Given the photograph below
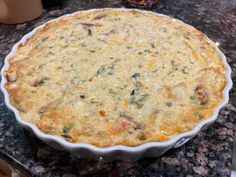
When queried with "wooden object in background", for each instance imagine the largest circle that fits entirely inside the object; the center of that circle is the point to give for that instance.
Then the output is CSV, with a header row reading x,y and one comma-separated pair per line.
x,y
7,171
19,11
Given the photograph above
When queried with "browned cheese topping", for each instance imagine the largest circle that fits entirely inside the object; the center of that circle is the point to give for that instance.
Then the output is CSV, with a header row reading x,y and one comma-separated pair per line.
x,y
114,77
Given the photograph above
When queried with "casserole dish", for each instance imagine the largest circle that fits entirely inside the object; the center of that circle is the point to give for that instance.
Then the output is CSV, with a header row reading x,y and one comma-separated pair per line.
x,y
106,152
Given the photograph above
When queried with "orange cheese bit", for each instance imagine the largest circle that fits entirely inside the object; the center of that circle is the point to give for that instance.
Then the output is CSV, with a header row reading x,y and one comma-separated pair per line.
x,y
42,127
162,138
113,129
126,104
58,68
142,85
114,41
150,64
99,30
77,46
102,113
72,140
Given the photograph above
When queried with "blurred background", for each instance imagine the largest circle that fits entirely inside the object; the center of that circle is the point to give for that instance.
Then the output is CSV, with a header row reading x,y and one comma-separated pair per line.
x,y
12,11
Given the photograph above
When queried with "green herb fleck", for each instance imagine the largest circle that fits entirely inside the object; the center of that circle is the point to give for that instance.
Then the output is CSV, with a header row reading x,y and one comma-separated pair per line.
x,y
83,45
169,104
136,75
173,65
40,82
138,127
134,92
65,46
139,53
138,100
101,70
66,136
47,132
146,50
153,46
142,137
101,40
44,39
82,96
89,32
67,128
183,71
125,115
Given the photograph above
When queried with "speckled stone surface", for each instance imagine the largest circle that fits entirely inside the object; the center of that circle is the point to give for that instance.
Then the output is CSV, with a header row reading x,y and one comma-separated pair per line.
x,y
209,154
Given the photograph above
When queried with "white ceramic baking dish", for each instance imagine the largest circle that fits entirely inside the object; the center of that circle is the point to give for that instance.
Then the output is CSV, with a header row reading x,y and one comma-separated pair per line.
x,y
113,153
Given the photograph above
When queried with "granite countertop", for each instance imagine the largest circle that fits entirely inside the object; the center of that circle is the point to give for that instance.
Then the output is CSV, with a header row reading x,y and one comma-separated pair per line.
x,y
209,154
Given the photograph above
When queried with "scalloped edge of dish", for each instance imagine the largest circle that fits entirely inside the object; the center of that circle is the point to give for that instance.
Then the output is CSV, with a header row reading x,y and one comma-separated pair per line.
x,y
117,152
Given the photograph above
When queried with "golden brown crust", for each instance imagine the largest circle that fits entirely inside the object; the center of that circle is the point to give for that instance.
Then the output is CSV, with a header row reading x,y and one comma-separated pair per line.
x,y
112,77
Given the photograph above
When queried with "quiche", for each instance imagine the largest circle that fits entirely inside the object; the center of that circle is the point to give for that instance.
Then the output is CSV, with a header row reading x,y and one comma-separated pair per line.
x,y
115,77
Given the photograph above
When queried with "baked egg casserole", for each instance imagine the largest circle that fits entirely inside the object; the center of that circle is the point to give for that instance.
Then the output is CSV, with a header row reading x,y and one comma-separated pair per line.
x,y
111,77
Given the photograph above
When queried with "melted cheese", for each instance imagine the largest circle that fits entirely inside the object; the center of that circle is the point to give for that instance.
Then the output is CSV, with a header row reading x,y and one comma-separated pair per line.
x,y
116,78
